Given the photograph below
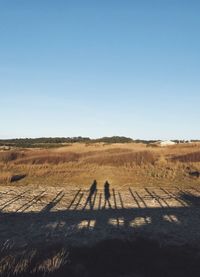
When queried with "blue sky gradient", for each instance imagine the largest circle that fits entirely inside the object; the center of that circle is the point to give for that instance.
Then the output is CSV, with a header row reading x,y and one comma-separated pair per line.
x,y
100,68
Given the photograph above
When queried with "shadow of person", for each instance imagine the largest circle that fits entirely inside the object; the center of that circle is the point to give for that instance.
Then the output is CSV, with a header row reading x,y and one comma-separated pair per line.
x,y
92,192
107,194
190,199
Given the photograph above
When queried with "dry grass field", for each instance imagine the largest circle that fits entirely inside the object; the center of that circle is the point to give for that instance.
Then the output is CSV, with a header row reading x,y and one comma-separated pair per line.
x,y
121,164
56,221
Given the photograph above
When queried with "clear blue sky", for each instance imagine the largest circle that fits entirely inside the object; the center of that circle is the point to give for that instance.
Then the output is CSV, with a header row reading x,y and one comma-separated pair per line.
x,y
100,68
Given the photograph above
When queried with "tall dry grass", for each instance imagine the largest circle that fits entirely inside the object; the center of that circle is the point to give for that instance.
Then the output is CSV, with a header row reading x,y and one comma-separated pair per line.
x,y
120,159
193,157
115,157
48,157
5,177
9,156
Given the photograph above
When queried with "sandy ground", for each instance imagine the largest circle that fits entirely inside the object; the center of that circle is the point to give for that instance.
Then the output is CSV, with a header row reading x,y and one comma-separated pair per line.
x,y
78,216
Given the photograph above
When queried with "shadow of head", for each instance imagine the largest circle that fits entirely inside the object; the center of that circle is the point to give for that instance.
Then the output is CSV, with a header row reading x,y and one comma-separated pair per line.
x,y
18,177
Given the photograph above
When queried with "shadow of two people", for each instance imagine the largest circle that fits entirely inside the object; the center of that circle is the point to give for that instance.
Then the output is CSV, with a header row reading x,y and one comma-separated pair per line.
x,y
93,192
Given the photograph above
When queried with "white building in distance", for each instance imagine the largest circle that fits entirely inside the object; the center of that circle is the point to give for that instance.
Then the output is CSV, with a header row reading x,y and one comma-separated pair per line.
x,y
166,143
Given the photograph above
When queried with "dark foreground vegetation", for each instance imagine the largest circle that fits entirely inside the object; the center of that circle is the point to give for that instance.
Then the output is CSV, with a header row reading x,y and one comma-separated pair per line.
x,y
140,257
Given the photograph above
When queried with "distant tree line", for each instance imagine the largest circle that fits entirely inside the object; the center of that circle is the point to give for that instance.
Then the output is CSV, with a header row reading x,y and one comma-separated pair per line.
x,y
115,139
61,141
40,142
58,141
